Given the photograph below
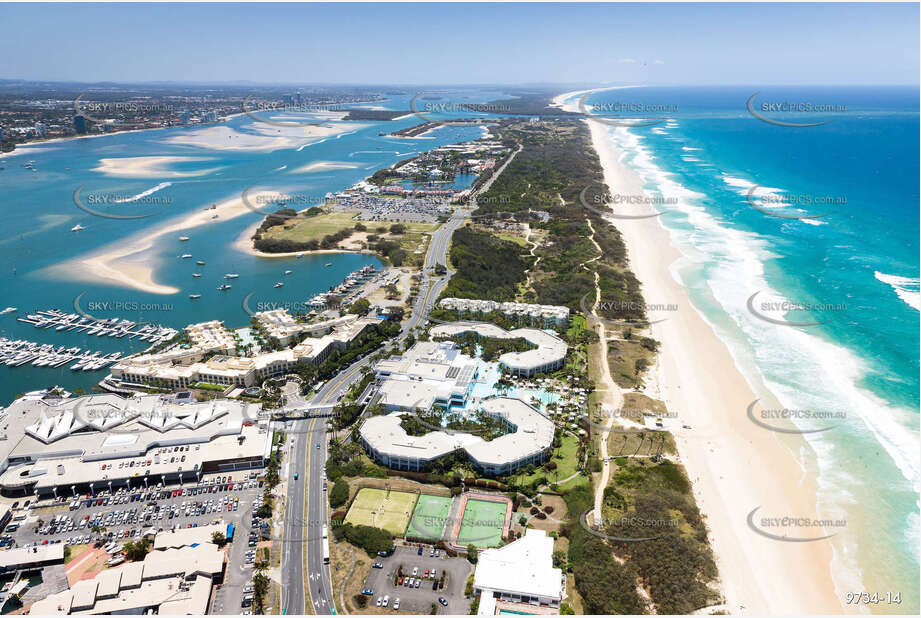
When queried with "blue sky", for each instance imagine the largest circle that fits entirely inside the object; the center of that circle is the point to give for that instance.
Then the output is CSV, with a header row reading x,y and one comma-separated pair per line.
x,y
464,43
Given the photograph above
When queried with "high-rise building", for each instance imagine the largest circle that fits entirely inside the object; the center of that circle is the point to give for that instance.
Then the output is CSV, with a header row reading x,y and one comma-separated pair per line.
x,y
41,129
184,117
80,125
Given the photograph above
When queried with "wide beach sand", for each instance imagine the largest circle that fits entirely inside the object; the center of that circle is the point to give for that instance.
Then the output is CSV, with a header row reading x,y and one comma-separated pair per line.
x,y
128,263
734,465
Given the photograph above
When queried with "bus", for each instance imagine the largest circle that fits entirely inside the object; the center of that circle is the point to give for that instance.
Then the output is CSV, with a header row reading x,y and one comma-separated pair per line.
x,y
325,532
325,551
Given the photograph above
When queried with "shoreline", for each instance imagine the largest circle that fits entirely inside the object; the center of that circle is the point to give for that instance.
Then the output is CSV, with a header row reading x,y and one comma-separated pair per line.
x,y
125,262
734,467
244,244
68,138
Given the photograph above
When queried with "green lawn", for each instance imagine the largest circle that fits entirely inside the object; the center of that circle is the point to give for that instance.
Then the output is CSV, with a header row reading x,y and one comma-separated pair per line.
x,y
430,517
388,511
566,458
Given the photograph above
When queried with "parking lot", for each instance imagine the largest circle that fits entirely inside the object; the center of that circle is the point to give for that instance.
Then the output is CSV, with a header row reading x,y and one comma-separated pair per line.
x,y
380,581
127,515
124,515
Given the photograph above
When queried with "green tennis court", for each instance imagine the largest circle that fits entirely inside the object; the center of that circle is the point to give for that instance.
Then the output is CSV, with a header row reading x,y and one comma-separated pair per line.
x,y
482,523
388,510
429,518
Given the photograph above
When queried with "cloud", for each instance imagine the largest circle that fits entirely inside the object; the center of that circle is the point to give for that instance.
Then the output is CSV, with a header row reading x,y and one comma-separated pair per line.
x,y
659,62
626,60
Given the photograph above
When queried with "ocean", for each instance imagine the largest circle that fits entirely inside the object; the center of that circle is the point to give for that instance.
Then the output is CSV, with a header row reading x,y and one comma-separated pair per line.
x,y
824,219
39,209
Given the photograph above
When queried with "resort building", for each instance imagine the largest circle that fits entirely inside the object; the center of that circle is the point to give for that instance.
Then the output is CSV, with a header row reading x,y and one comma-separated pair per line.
x,y
174,581
529,440
183,369
211,336
545,315
519,577
65,446
280,324
548,354
429,373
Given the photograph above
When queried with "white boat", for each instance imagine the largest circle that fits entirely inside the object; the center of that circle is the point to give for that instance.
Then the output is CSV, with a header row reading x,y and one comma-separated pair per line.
x,y
224,287
8,310
186,255
77,228
194,296
287,272
196,275
231,276
278,284
299,255
183,238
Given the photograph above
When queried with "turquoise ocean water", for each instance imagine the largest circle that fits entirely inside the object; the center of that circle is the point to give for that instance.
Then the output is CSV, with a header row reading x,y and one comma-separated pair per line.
x,y
701,153
38,212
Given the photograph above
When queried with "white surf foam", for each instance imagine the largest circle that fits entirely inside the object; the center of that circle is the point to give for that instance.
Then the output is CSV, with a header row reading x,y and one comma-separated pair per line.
x,y
803,370
908,289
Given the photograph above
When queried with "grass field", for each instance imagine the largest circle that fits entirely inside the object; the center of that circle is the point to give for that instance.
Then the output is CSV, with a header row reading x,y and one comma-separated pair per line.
x,y
567,461
374,507
482,523
429,518
303,229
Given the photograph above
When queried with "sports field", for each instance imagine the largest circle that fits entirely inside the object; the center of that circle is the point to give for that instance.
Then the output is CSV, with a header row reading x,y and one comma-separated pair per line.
x,y
482,523
429,518
389,511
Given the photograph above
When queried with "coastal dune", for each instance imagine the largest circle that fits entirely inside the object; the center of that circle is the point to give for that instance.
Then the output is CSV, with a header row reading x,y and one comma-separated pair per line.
x,y
129,262
734,465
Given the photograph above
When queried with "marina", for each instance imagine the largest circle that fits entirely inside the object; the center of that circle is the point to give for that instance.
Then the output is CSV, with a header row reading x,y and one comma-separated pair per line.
x,y
111,327
17,352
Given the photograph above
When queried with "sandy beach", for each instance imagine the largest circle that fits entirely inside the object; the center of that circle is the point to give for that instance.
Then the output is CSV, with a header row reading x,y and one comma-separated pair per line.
x,y
127,263
320,166
734,465
259,137
150,167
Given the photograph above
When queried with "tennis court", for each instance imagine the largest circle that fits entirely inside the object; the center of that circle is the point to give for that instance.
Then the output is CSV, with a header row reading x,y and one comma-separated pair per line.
x,y
388,510
429,518
482,523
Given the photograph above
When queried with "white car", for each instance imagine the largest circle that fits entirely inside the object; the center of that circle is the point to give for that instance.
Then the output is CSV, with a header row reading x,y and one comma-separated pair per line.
x,y
379,601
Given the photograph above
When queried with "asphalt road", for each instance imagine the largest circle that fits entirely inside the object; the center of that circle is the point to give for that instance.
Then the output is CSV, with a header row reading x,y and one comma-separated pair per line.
x,y
301,532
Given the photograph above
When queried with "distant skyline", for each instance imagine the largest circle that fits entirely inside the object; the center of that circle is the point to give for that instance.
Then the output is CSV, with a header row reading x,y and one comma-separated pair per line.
x,y
352,43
